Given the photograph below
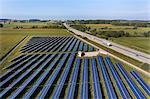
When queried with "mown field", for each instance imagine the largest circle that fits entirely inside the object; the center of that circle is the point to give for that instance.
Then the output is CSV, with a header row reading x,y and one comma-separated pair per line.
x,y
35,31
7,42
98,25
139,43
25,25
119,28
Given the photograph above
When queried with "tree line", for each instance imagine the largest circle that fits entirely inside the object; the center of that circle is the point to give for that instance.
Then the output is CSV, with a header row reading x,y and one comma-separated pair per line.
x,y
113,22
106,33
89,21
136,24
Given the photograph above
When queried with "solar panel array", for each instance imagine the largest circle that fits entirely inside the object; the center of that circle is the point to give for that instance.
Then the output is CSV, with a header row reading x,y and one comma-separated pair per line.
x,y
56,44
64,75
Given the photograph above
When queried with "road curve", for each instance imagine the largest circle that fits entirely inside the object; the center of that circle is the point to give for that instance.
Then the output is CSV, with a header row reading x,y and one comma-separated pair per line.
x,y
143,57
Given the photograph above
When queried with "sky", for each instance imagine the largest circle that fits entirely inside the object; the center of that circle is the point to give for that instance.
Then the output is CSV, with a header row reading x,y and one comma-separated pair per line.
x,y
75,9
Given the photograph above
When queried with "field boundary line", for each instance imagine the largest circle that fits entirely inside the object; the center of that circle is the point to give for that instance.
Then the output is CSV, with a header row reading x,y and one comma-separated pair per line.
x,y
11,51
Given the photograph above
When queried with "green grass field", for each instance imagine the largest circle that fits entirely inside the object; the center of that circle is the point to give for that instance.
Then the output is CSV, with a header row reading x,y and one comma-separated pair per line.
x,y
109,26
138,43
24,25
98,25
7,42
129,29
35,31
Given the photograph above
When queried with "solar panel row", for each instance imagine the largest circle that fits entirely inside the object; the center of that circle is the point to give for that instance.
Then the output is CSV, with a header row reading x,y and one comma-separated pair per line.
x,y
141,82
53,44
123,91
46,73
135,90
110,90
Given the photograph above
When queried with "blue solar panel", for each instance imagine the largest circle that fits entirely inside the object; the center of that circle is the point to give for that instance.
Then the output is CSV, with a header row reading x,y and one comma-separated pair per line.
x,y
16,74
40,80
84,89
72,45
133,87
18,61
71,90
76,46
57,45
15,69
85,47
91,48
18,58
63,78
63,45
109,88
50,46
96,82
38,43
8,90
44,92
123,91
141,82
31,48
81,46
26,83
44,45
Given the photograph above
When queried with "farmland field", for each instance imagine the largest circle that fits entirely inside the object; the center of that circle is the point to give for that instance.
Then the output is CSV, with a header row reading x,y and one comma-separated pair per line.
x,y
119,28
35,31
57,72
7,42
98,25
25,25
138,43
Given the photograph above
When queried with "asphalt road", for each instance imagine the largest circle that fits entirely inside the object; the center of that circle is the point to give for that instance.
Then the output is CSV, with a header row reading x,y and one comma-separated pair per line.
x,y
143,57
